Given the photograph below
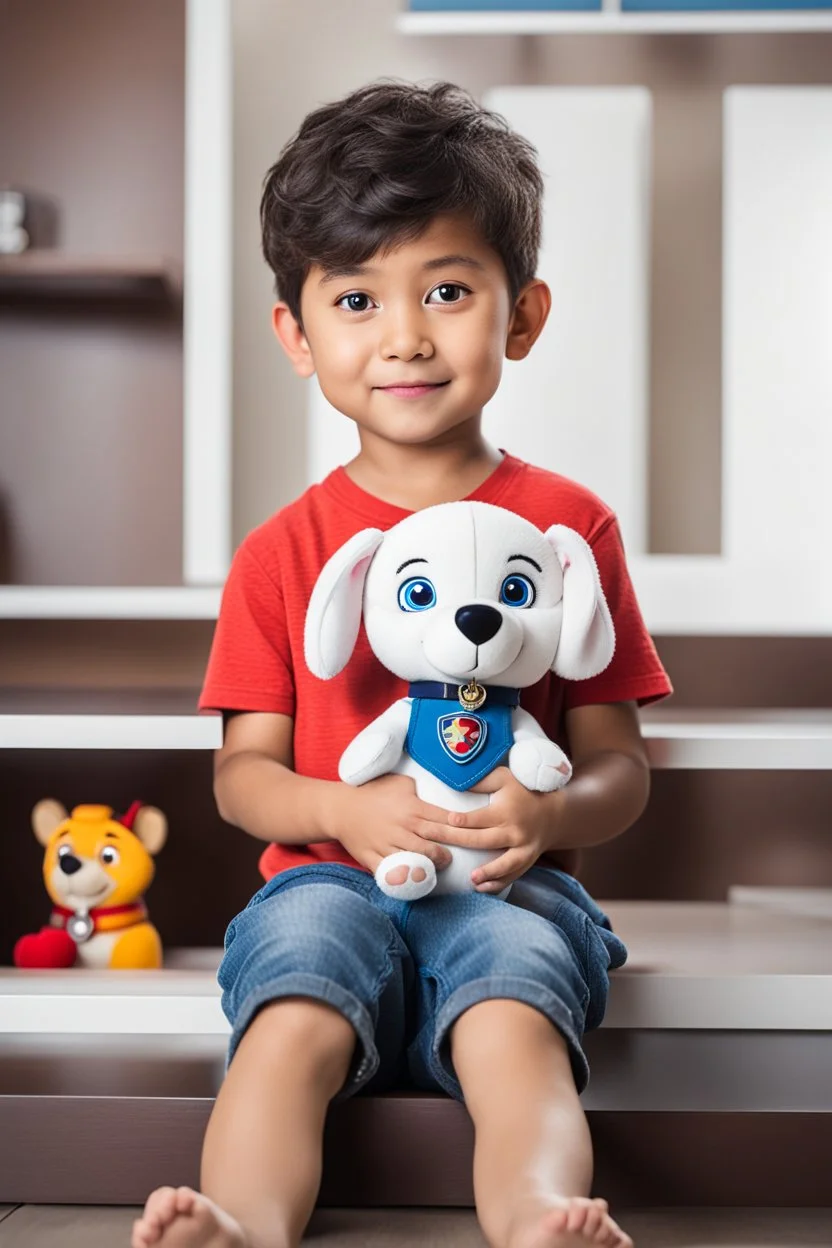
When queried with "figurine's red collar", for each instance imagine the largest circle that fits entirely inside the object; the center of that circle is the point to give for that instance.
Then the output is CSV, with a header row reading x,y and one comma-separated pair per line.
x,y
105,918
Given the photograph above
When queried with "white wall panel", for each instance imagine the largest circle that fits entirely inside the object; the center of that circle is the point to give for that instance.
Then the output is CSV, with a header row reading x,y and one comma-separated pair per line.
x,y
579,403
777,381
331,438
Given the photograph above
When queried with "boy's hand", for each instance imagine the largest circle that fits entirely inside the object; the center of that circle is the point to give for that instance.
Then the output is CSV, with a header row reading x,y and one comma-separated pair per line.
x,y
384,815
516,820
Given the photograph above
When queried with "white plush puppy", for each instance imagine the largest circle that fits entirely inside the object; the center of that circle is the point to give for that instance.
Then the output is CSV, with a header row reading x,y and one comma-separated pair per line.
x,y
470,603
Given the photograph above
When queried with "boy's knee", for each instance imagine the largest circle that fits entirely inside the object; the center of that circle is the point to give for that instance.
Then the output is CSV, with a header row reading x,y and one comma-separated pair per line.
x,y
314,1033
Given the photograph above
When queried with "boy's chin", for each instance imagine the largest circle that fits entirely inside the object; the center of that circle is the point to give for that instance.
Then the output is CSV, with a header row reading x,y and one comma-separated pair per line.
x,y
420,433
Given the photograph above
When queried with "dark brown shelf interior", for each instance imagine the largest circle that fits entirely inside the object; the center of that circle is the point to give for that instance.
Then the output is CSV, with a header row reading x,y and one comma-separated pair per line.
x,y
49,276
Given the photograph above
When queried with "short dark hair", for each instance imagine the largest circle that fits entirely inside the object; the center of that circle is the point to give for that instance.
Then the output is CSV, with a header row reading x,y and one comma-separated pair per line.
x,y
375,168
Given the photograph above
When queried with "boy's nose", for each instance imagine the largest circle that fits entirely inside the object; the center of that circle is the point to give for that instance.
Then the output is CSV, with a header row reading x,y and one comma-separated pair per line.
x,y
405,339
479,623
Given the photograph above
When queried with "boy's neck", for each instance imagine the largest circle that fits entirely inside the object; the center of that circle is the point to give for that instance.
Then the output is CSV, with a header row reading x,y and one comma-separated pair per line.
x,y
413,477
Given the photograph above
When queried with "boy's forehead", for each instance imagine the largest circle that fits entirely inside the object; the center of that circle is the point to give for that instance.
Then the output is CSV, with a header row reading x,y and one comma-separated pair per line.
x,y
446,239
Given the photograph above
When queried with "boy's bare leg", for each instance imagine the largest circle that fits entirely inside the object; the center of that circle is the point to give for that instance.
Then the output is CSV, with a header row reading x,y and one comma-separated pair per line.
x,y
533,1153
261,1160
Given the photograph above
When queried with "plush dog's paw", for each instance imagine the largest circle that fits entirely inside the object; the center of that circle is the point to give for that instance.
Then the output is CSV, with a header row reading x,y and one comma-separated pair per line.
x,y
369,755
407,876
540,765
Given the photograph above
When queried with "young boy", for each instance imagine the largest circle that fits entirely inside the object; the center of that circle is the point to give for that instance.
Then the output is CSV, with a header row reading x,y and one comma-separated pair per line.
x,y
402,225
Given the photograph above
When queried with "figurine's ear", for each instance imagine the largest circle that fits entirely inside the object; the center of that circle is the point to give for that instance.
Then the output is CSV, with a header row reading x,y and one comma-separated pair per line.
x,y
587,637
151,827
45,818
333,616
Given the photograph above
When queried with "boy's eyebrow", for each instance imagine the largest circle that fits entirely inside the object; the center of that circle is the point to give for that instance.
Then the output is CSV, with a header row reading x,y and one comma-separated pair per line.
x,y
441,261
362,270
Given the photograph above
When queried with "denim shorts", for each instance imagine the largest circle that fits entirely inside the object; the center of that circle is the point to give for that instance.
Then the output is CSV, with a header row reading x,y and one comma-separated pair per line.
x,y
403,972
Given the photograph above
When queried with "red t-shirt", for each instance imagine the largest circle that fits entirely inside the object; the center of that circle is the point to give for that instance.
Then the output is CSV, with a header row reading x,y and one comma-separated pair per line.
x,y
257,661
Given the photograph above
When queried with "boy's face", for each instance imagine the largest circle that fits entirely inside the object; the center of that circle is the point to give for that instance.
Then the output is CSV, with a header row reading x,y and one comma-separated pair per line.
x,y
410,345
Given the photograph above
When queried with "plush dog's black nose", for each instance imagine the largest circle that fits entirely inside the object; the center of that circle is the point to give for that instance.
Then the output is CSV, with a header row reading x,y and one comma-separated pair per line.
x,y
69,864
478,623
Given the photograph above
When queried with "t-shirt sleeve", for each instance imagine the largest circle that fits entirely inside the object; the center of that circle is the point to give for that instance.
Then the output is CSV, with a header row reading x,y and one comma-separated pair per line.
x,y
635,672
250,664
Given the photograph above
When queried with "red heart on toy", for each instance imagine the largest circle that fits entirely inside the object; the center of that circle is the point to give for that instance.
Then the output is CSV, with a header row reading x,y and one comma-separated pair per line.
x,y
50,948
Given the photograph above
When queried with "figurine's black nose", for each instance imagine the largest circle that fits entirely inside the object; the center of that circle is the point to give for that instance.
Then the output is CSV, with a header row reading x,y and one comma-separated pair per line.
x,y
69,864
478,623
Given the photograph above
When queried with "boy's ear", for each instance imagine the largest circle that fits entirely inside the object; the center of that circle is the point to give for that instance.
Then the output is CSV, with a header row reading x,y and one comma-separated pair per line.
x,y
292,339
531,310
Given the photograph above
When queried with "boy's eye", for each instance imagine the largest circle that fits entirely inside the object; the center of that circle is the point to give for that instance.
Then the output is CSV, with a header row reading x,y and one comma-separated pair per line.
x,y
417,594
356,302
517,591
448,292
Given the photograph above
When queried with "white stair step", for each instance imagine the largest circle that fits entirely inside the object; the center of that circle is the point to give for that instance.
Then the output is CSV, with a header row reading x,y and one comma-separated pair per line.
x,y
692,966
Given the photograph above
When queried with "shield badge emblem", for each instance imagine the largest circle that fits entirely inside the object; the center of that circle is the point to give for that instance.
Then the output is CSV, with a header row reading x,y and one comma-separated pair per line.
x,y
462,735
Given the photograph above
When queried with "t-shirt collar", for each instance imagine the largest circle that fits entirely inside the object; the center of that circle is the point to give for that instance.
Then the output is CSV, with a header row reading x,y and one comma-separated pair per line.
x,y
383,515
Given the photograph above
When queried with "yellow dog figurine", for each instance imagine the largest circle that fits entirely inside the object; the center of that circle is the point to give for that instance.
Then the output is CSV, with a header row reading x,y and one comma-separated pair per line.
x,y
96,868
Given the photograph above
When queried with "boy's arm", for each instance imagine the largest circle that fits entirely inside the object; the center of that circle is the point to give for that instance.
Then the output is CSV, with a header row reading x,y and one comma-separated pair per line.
x,y
610,781
257,790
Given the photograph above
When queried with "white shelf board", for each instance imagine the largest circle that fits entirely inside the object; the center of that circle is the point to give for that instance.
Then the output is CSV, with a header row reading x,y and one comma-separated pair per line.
x,y
692,966
109,719
756,740
612,23
69,602
167,720
110,732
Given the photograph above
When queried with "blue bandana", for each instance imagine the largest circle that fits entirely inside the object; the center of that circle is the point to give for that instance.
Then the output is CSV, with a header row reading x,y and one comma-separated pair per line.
x,y
459,747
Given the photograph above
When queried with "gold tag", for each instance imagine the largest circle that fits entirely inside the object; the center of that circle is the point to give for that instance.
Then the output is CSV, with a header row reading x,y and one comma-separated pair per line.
x,y
471,696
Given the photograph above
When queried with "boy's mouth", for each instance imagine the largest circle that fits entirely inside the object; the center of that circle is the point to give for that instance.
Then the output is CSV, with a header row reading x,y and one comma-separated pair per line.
x,y
412,390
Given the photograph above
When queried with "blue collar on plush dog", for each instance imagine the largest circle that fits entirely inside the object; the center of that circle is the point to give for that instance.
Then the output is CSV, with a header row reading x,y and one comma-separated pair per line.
x,y
458,746
497,695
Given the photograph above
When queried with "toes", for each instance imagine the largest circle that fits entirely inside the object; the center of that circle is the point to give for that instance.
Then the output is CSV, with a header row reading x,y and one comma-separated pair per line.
x,y
594,1221
185,1200
396,876
577,1216
138,1238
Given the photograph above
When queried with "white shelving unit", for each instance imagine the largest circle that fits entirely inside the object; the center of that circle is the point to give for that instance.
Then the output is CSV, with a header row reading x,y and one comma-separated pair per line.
x,y
611,21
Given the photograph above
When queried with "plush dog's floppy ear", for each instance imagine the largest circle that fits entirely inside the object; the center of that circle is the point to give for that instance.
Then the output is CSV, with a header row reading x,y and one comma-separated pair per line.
x,y
333,616
587,638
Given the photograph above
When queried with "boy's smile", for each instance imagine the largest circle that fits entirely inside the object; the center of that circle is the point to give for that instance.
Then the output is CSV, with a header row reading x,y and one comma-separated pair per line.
x,y
410,344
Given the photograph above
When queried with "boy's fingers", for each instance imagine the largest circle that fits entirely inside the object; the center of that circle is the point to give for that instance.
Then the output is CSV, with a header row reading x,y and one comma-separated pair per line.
x,y
495,873
493,781
433,814
482,817
439,856
467,838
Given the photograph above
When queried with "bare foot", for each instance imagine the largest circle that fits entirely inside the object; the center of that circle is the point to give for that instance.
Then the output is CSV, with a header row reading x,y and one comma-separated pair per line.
x,y
179,1217
575,1223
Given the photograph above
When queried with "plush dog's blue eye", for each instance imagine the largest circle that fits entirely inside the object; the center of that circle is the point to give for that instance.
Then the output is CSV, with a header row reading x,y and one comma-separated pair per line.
x,y
517,591
417,594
